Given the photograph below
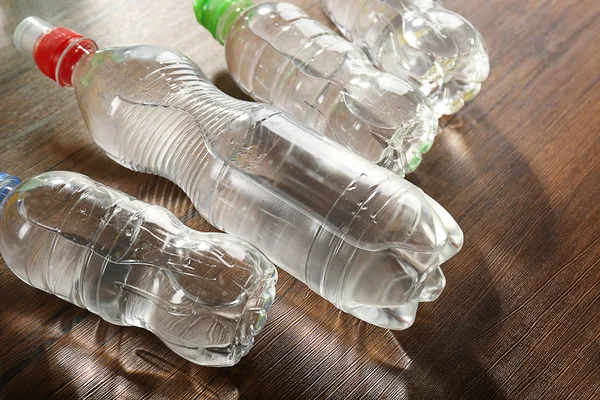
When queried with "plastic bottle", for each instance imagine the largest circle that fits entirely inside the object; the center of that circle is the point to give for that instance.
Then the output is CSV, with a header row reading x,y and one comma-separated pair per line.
x,y
419,39
205,295
358,234
279,55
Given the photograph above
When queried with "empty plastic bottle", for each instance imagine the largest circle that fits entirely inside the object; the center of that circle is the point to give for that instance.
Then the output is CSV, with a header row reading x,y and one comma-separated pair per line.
x,y
419,39
279,55
358,234
205,295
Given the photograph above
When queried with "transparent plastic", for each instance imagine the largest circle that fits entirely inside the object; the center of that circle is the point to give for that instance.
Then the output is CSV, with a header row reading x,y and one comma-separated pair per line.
x,y
28,32
358,234
205,295
418,39
279,55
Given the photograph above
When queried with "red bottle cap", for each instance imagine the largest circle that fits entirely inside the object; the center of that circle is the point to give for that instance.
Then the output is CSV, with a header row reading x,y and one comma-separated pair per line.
x,y
55,50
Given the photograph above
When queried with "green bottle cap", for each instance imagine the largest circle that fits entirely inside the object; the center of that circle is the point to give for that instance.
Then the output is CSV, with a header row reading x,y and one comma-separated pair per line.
x,y
219,15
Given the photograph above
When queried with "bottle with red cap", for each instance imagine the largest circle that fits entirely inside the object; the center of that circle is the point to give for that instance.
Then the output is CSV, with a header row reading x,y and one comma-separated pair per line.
x,y
358,234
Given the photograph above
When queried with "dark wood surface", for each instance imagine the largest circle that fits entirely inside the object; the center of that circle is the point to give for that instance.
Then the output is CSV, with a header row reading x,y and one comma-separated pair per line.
x,y
518,168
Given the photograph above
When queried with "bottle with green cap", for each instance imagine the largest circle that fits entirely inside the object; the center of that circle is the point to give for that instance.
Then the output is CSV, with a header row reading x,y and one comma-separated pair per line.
x,y
279,55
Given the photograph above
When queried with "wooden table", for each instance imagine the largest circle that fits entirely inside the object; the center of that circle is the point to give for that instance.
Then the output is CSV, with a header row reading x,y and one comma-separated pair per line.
x,y
519,169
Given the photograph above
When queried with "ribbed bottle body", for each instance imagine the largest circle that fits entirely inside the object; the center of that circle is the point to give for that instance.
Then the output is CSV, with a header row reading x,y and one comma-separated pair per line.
x,y
279,55
420,40
204,295
358,234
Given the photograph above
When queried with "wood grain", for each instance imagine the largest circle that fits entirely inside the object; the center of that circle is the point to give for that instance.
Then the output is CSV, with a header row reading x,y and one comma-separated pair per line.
x,y
518,168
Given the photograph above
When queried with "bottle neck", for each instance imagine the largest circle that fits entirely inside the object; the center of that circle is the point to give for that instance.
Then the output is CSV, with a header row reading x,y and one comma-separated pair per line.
x,y
69,59
8,184
218,16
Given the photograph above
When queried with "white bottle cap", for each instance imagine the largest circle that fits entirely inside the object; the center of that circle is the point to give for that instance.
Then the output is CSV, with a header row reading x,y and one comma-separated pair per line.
x,y
28,33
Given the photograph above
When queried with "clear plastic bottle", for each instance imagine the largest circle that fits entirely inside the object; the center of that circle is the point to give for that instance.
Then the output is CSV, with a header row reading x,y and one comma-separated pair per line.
x,y
279,55
358,234
205,295
418,39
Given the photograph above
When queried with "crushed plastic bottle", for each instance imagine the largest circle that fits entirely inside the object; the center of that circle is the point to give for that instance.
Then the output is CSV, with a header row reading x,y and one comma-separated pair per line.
x,y
205,295
418,39
359,235
279,55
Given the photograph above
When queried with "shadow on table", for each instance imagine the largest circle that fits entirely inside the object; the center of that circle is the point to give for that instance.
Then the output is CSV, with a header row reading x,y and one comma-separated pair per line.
x,y
454,347
225,82
71,364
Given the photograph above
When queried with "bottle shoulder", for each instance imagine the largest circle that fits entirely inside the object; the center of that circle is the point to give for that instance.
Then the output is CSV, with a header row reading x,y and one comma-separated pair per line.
x,y
118,65
69,204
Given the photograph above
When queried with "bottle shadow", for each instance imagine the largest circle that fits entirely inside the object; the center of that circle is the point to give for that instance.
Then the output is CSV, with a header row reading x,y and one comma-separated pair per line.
x,y
225,82
72,354
453,346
